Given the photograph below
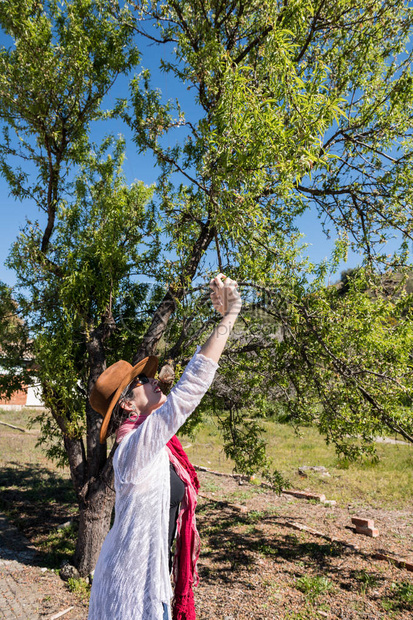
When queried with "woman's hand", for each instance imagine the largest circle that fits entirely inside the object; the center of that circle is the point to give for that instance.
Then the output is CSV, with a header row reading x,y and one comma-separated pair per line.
x,y
224,295
227,301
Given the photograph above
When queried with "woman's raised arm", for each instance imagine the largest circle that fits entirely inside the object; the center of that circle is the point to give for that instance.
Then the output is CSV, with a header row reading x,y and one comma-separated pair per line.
x,y
227,301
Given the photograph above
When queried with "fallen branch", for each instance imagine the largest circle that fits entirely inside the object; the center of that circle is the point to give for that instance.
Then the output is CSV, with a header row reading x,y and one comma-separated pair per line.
x,y
219,473
17,428
400,563
310,530
61,613
299,494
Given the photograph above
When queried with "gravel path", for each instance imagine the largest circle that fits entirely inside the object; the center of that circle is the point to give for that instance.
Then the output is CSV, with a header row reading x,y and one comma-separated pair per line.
x,y
28,591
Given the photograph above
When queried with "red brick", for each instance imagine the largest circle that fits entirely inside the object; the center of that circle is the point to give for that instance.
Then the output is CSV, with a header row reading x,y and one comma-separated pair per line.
x,y
17,398
368,531
362,522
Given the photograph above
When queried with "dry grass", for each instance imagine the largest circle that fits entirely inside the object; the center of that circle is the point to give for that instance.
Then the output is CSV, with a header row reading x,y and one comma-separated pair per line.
x,y
355,483
16,446
364,483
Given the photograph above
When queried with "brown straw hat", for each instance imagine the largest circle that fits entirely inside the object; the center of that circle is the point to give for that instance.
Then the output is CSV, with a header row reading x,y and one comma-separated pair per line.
x,y
112,382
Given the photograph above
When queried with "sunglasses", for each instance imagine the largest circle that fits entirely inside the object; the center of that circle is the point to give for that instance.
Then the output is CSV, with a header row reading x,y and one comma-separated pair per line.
x,y
139,380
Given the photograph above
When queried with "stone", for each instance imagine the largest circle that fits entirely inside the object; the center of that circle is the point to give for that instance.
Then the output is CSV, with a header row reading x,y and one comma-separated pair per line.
x,y
318,468
67,571
63,526
306,495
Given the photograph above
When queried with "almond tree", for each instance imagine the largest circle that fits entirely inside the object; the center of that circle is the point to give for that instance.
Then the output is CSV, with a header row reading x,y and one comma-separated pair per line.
x,y
300,105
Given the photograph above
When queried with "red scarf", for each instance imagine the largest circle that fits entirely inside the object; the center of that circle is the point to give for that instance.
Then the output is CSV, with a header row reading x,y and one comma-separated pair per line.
x,y
187,540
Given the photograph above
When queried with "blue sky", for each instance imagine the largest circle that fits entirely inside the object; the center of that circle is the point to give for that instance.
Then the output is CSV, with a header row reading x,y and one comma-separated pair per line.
x,y
141,167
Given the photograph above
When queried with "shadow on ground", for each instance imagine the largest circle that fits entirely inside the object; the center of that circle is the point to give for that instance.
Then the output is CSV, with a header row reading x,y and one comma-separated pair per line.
x,y
37,500
234,542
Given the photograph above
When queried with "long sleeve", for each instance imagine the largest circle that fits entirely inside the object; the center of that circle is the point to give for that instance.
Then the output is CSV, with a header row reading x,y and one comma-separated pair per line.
x,y
140,448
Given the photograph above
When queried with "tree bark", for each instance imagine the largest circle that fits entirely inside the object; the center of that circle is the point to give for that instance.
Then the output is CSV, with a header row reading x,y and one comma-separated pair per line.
x,y
77,460
96,452
94,523
97,496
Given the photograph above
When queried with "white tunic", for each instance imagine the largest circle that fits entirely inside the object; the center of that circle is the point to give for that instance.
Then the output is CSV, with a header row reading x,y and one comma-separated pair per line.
x,y
131,579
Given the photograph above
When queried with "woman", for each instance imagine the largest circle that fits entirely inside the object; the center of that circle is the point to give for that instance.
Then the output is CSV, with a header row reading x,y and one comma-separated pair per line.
x,y
132,580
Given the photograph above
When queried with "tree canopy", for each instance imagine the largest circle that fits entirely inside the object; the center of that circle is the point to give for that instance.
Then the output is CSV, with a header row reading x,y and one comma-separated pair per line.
x,y
305,105
301,105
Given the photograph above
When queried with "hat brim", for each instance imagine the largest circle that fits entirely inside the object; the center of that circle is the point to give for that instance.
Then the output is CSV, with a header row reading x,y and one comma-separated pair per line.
x,y
148,367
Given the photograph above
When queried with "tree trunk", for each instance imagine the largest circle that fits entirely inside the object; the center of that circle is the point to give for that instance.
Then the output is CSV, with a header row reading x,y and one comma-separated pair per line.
x,y
94,523
75,451
96,452
97,496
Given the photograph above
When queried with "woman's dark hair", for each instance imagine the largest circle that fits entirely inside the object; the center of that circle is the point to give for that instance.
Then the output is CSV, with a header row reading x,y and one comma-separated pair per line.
x,y
119,414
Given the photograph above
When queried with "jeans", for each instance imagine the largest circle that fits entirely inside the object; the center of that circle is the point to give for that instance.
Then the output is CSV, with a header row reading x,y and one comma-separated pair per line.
x,y
165,612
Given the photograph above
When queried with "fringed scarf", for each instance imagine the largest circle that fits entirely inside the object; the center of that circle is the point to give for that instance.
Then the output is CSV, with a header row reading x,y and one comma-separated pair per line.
x,y
187,539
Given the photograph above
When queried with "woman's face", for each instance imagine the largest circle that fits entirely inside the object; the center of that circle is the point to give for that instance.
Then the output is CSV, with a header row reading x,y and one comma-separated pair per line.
x,y
148,396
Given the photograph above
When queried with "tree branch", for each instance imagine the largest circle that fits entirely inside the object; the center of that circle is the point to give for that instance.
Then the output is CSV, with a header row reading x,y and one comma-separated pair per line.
x,y
253,44
168,303
311,33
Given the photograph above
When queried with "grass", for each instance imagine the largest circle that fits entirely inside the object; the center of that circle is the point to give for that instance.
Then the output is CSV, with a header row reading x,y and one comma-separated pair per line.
x,y
371,483
359,484
15,445
308,614
34,493
39,497
366,580
319,550
313,587
80,587
59,545
239,496
210,487
401,597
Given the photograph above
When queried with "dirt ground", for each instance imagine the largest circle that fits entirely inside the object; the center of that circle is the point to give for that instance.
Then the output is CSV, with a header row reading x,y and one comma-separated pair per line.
x,y
254,565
